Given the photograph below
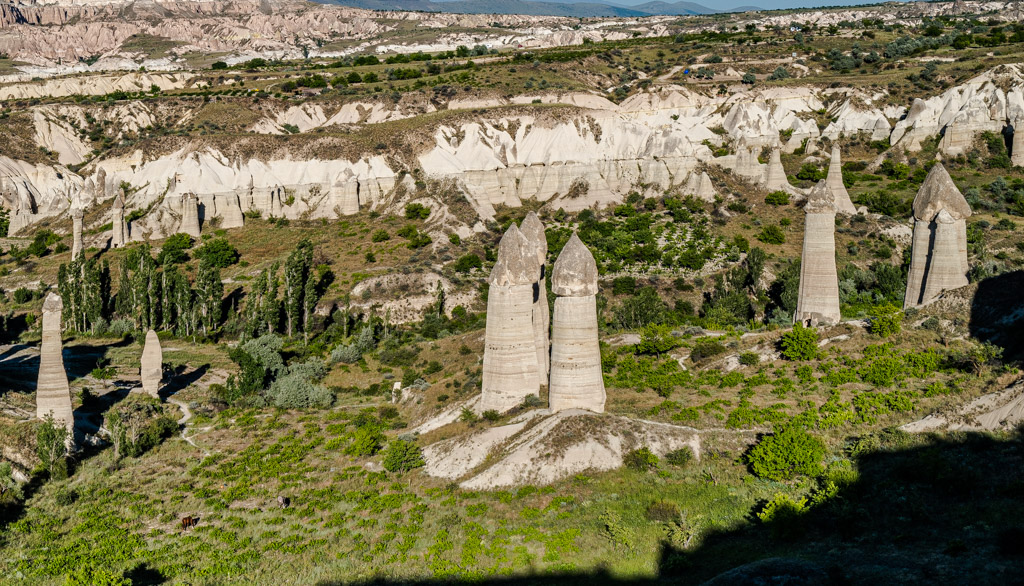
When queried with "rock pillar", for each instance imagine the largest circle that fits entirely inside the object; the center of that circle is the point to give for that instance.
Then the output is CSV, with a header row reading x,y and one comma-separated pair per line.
x,y
77,219
152,365
53,394
510,370
775,179
101,185
938,259
276,206
230,211
834,181
576,378
119,230
818,301
1017,147
190,215
533,230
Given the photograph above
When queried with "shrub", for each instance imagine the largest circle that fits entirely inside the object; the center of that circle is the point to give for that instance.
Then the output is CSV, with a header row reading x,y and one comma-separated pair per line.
x,y
417,211
367,441
641,460
624,285
791,450
779,73
680,458
94,576
380,236
51,447
656,340
663,512
750,359
468,262
10,489
706,348
772,235
887,321
801,343
491,415
777,198
174,248
783,513
218,252
402,456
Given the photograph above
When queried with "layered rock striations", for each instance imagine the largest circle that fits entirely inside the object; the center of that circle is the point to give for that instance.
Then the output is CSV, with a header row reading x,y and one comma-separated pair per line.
x,y
938,259
190,215
834,182
510,370
533,229
152,371
53,394
77,220
775,178
818,301
576,381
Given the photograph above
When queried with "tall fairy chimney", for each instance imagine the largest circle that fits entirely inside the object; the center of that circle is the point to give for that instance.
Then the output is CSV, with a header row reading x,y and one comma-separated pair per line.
x,y
119,236
53,394
190,215
834,181
510,372
818,301
938,260
576,378
533,229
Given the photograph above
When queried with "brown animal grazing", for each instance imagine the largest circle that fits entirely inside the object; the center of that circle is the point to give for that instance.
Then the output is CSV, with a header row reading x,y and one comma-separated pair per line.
x,y
284,501
188,522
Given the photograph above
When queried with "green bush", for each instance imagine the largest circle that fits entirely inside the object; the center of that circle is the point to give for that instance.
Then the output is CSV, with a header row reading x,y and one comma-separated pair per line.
x,y
174,248
656,340
402,456
380,235
663,512
367,441
772,235
791,450
417,211
641,460
783,514
887,321
468,262
777,198
750,359
624,285
801,343
491,415
218,252
680,458
706,348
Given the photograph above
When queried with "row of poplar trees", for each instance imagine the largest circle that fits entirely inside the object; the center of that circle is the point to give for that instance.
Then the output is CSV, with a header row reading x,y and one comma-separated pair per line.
x,y
164,297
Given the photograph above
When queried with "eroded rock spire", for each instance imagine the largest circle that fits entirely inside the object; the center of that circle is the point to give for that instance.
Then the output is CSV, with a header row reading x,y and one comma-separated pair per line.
x,y
53,394
818,301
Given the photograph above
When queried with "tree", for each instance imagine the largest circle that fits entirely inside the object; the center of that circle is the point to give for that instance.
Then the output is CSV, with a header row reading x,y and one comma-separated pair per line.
x,y
9,487
772,235
84,286
801,343
467,263
209,293
887,321
777,198
657,340
402,456
791,450
646,307
779,73
52,442
218,252
749,79
173,251
136,425
297,273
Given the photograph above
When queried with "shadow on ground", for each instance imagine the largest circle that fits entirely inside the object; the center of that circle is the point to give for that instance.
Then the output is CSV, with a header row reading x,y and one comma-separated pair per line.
x,y
997,313
923,510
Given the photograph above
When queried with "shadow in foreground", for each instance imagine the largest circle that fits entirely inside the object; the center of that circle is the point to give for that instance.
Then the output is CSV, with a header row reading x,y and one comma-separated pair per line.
x,y
997,313
918,510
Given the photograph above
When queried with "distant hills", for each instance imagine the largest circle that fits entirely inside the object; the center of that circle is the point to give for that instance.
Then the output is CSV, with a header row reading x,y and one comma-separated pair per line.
x,y
537,7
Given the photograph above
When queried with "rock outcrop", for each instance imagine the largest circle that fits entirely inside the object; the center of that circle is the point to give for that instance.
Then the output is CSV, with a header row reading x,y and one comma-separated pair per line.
x,y
1017,147
775,178
510,369
834,181
533,229
152,371
53,394
190,215
229,209
577,381
119,230
77,219
818,301
938,259
699,185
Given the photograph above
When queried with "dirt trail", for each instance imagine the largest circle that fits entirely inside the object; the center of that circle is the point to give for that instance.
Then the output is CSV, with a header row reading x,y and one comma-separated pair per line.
x,y
186,415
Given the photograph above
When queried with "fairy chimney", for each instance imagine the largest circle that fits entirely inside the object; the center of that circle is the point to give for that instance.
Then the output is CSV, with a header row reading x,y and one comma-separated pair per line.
x,y
533,230
576,378
53,394
190,215
510,372
152,365
119,235
834,181
77,219
818,301
230,210
938,260
775,179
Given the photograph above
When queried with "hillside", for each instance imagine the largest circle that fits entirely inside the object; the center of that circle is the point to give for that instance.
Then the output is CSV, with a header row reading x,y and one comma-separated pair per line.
x,y
430,297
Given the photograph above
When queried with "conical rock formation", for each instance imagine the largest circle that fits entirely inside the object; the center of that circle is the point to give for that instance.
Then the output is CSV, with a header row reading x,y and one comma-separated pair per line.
x,y
775,179
533,229
818,301
938,259
77,219
230,211
699,185
510,370
576,378
119,235
190,215
834,181
53,394
152,371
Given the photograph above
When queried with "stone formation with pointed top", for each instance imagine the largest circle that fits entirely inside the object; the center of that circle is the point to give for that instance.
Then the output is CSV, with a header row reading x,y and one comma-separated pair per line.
x,y
577,381
533,229
119,235
152,371
53,394
190,215
818,301
77,220
775,179
938,259
834,181
510,370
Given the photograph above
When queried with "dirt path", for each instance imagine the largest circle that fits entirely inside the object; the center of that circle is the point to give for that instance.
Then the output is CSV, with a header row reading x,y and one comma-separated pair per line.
x,y
186,415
